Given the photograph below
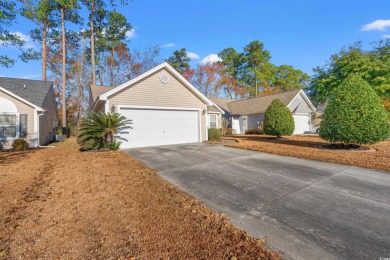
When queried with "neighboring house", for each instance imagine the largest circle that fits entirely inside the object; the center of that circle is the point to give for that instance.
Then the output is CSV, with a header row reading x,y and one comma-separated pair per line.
x,y
27,110
249,113
163,106
318,117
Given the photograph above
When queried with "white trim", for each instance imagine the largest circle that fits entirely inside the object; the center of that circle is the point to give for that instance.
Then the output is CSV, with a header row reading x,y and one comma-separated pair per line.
x,y
217,107
36,128
302,114
150,72
212,112
17,134
119,107
107,107
21,99
305,98
155,107
207,123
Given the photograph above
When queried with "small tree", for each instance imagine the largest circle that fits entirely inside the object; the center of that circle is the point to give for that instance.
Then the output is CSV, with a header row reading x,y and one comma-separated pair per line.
x,y
354,114
278,119
99,129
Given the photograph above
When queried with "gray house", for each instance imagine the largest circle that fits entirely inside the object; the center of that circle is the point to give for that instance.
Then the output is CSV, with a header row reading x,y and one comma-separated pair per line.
x,y
249,113
27,110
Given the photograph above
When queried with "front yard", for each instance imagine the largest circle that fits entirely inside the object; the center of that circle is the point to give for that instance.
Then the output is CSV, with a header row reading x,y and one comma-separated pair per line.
x,y
309,147
65,204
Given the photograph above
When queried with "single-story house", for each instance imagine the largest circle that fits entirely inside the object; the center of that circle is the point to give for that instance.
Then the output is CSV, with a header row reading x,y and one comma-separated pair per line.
x,y
163,106
27,110
249,113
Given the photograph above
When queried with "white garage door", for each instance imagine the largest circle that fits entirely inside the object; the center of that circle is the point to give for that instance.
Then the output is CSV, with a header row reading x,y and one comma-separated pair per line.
x,y
152,127
302,124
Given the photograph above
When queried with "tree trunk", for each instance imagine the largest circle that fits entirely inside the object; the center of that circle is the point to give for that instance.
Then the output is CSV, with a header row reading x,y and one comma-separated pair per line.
x,y
81,92
44,50
92,43
64,132
112,67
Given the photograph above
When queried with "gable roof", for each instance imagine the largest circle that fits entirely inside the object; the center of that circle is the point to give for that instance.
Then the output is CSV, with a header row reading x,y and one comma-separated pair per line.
x,y
258,105
32,92
164,65
96,91
223,103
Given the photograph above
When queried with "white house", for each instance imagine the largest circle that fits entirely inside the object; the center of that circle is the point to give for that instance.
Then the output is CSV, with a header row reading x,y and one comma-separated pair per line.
x,y
249,113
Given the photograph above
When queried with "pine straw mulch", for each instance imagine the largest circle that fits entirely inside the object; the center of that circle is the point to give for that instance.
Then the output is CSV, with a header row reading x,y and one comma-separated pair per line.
x,y
377,156
60,203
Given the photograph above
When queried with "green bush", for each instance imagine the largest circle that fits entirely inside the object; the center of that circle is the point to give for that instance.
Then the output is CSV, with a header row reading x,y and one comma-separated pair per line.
x,y
113,146
278,119
20,144
214,134
254,131
354,114
98,130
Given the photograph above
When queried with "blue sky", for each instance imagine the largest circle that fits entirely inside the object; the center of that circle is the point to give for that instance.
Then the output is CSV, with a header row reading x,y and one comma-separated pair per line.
x,y
301,33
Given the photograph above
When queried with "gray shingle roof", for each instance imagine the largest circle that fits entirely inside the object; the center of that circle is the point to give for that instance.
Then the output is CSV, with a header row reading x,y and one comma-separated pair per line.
x,y
256,105
33,91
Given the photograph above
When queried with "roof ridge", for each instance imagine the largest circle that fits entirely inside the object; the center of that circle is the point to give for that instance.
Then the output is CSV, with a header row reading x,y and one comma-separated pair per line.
x,y
285,92
27,79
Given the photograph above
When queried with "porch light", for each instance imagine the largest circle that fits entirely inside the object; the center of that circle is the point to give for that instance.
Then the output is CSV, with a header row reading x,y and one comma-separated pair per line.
x,y
204,111
113,109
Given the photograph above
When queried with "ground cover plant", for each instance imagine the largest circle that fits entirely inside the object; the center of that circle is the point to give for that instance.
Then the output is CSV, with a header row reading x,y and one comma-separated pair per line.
x,y
106,206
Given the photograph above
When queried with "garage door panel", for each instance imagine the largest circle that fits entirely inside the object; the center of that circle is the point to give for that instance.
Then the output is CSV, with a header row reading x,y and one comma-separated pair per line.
x,y
302,124
152,127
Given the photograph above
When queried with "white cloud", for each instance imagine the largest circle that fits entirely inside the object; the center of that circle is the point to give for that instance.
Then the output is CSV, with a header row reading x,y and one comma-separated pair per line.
x,y
387,36
211,58
168,45
33,76
380,25
24,37
193,55
131,34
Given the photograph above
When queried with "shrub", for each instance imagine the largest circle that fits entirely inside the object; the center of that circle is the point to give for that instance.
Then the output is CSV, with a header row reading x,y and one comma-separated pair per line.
x,y
214,134
278,119
98,130
228,131
20,144
254,131
354,114
113,146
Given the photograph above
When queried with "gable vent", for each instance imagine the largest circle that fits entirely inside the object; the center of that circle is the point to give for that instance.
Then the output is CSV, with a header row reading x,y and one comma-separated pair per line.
x,y
164,78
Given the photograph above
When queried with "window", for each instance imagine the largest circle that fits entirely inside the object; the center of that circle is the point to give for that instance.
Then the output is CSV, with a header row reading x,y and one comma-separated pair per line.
x,y
213,121
7,125
22,125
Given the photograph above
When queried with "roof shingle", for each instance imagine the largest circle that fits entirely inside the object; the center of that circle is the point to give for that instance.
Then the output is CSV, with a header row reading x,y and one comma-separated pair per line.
x,y
33,91
256,105
96,91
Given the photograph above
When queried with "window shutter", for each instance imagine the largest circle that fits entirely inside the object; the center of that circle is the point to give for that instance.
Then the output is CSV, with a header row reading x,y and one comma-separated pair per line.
x,y
22,125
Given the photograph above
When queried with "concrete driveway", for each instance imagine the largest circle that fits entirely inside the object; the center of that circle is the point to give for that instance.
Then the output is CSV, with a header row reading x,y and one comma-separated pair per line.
x,y
307,209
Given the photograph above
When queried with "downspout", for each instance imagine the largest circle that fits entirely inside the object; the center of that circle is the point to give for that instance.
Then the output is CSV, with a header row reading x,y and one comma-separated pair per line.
x,y
39,113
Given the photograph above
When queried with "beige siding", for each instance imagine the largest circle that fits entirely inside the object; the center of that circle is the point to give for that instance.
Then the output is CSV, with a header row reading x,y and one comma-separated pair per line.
x,y
152,92
22,109
48,118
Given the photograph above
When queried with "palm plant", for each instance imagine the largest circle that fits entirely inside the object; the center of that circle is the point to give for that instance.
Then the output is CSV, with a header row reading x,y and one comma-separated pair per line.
x,y
99,129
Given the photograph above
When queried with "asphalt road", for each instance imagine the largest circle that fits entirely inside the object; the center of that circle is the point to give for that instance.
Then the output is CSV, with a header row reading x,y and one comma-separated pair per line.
x,y
306,209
